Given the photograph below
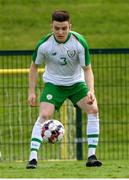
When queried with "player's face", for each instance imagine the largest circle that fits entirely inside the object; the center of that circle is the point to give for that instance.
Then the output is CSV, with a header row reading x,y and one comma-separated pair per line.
x,y
61,30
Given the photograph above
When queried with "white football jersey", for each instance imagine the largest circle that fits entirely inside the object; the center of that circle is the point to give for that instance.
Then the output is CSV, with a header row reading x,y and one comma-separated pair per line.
x,y
63,61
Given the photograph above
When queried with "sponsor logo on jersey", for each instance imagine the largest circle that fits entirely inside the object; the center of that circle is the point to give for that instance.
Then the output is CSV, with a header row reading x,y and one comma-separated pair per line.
x,y
71,53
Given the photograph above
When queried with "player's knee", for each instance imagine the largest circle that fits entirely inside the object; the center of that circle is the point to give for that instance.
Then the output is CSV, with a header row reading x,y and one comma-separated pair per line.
x,y
45,115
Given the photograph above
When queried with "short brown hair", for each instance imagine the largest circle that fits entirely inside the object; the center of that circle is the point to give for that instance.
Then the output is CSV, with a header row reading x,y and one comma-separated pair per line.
x,y
60,16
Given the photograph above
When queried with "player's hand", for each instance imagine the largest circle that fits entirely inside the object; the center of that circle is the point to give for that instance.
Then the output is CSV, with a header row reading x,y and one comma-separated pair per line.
x,y
32,99
90,98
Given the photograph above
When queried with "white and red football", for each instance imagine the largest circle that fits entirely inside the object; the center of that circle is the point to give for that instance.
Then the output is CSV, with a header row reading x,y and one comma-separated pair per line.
x,y
52,131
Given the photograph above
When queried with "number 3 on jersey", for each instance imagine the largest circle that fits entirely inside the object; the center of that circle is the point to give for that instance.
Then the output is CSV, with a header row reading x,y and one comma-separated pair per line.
x,y
63,61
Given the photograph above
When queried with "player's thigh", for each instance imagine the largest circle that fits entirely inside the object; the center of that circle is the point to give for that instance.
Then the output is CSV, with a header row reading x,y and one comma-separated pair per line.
x,y
88,108
46,110
78,92
53,94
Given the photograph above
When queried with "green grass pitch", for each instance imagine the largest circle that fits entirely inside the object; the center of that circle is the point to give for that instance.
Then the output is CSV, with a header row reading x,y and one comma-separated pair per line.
x,y
65,169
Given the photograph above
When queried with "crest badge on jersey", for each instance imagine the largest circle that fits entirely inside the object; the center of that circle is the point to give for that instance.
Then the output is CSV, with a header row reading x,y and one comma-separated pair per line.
x,y
71,53
49,96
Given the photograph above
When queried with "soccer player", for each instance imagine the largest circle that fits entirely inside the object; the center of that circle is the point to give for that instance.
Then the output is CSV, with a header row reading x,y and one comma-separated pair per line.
x,y
68,74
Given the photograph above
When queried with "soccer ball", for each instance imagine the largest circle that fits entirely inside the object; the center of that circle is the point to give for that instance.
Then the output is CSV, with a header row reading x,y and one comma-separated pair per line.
x,y
52,131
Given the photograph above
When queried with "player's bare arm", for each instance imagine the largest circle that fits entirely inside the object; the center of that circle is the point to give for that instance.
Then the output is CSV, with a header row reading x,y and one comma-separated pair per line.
x,y
89,78
33,74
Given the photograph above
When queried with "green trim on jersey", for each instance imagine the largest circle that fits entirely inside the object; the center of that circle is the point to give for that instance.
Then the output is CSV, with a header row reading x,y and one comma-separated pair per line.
x,y
41,41
83,42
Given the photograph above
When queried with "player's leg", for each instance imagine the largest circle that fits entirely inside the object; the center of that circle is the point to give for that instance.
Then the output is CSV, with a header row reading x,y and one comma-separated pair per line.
x,y
79,97
92,130
46,112
51,99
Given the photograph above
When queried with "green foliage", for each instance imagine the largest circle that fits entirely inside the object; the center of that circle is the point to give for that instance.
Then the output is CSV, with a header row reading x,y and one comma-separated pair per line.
x,y
103,23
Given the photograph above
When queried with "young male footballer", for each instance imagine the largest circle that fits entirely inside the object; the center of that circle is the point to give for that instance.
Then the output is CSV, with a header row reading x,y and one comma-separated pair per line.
x,y
68,74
